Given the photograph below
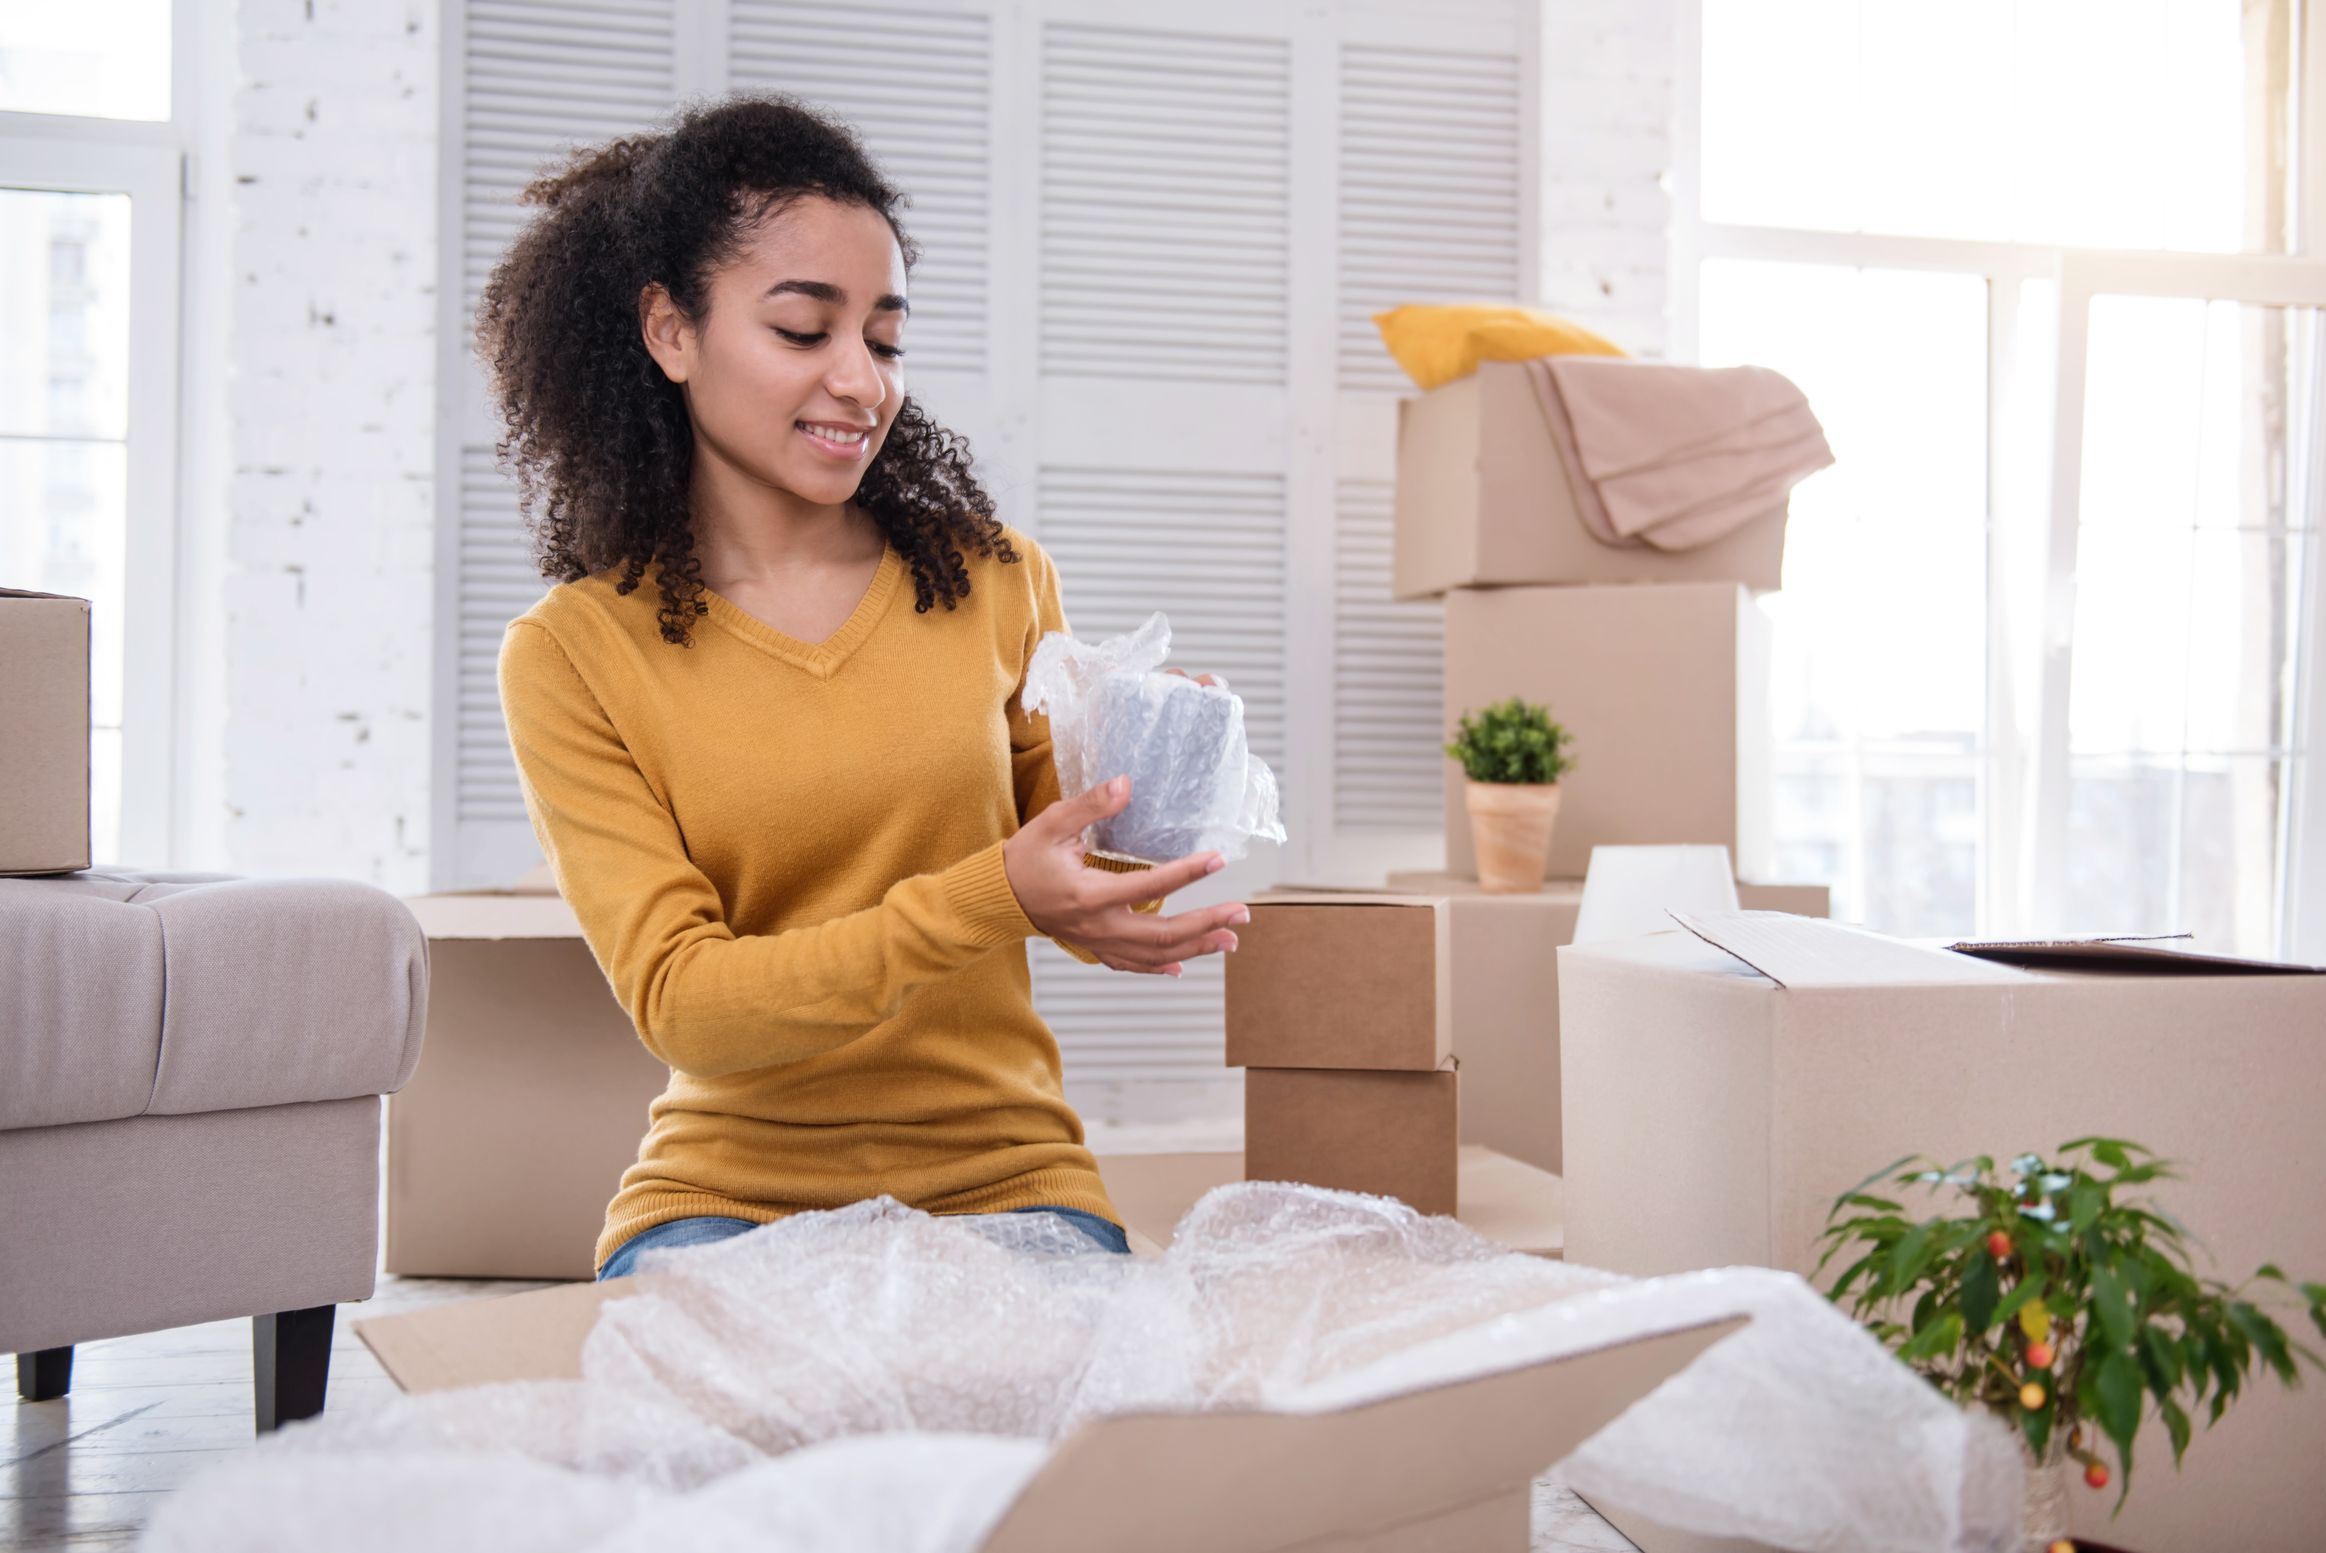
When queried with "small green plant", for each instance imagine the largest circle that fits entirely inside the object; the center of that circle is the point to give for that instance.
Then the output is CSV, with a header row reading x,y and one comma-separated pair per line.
x,y
2054,1303
1511,741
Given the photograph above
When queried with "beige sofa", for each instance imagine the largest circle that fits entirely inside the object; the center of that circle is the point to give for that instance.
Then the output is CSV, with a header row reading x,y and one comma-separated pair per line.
x,y
191,1068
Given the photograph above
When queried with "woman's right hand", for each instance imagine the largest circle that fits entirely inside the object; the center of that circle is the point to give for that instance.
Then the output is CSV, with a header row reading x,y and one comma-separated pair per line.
x,y
1091,907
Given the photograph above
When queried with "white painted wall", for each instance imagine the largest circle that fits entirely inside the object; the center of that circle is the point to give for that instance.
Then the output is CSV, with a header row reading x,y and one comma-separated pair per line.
x,y
311,400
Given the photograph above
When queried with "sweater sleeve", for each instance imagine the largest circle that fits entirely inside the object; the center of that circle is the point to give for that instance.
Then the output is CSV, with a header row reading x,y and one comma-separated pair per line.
x,y
1033,766
705,999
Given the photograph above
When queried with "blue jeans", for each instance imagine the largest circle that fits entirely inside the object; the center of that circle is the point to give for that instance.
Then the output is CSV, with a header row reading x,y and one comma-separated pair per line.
x,y
702,1231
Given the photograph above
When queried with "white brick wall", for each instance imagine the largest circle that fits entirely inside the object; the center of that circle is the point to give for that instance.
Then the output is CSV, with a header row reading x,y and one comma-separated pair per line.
x,y
1607,84
330,439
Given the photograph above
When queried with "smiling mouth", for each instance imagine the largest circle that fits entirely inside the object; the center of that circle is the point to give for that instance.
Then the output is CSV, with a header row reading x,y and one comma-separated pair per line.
x,y
834,438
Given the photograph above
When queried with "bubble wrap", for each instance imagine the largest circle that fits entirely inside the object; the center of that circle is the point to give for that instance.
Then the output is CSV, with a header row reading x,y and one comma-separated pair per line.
x,y
1196,786
876,1379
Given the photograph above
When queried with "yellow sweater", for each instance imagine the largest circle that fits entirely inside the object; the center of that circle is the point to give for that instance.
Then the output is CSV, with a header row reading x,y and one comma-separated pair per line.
x,y
787,859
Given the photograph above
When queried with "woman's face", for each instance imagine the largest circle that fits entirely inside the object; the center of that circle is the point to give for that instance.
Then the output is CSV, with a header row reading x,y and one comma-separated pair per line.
x,y
794,374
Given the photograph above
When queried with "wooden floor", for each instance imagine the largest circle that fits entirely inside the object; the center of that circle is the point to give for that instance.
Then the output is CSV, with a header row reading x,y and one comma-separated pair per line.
x,y
145,1413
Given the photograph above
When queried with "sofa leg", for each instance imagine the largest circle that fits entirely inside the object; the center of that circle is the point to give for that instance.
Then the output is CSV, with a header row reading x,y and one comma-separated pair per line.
x,y
290,1364
44,1376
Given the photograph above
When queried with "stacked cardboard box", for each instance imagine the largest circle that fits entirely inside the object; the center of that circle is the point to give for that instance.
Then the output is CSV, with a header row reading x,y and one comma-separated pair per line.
x,y
1340,1011
1381,1032
1346,1011
44,733
1664,689
1655,660
1483,501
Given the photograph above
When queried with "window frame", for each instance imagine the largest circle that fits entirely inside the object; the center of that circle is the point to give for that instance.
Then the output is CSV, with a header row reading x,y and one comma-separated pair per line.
x,y
2031,554
145,160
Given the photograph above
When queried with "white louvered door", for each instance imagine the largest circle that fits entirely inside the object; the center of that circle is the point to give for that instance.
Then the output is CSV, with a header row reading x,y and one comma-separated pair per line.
x,y
1152,242
524,81
1433,163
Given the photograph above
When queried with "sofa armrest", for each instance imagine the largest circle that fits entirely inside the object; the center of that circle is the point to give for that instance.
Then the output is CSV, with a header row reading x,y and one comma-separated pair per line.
x,y
279,991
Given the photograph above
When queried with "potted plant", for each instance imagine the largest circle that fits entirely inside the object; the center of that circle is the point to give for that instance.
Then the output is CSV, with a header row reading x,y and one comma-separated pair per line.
x,y
2057,1302
1512,753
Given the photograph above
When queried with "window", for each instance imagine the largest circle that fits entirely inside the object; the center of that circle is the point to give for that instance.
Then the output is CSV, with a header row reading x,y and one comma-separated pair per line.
x,y
89,243
2042,642
2188,447
2141,124
105,59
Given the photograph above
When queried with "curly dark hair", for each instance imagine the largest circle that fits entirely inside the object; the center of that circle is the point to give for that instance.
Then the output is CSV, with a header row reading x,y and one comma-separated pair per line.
x,y
599,438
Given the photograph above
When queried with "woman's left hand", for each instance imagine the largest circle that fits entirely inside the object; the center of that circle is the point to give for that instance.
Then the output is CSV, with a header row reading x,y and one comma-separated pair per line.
x,y
1200,679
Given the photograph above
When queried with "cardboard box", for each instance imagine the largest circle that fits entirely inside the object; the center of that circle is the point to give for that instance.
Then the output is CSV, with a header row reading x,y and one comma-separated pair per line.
x,y
1431,968
1438,1468
1714,1111
529,1102
1394,1134
1342,979
44,733
1483,500
1506,1200
1666,693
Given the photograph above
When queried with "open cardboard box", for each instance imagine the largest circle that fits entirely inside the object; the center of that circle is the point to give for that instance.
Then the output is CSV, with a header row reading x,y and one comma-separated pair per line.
x,y
44,733
1725,1084
1441,1469
1483,500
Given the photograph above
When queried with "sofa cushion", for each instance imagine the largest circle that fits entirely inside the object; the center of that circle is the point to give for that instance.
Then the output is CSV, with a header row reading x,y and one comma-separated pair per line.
x,y
171,994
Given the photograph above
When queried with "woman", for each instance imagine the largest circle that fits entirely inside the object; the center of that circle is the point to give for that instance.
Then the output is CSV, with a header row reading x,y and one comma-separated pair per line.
x,y
805,827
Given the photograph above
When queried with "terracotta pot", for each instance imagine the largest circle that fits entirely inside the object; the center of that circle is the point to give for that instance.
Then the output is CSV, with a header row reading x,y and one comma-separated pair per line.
x,y
1510,822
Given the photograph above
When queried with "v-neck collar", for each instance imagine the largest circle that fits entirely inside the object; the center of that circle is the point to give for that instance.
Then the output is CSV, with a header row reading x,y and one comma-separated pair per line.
x,y
822,659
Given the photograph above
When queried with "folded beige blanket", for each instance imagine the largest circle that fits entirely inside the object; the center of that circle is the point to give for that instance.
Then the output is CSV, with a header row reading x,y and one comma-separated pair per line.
x,y
1675,456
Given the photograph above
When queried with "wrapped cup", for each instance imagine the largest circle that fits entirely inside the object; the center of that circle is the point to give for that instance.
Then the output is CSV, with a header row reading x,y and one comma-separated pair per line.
x,y
1196,786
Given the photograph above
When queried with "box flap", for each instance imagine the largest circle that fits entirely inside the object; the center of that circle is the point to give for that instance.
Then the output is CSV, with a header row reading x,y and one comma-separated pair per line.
x,y
540,879
1510,1202
1285,1480
1513,1203
1800,952
2164,951
35,593
1151,1193
1272,1480
537,1335
494,914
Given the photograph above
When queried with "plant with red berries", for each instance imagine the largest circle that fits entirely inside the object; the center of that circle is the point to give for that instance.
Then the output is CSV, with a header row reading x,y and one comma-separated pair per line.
x,y
2051,1302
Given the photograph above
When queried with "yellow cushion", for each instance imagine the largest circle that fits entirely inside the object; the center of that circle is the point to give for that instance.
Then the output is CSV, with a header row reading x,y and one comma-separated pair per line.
x,y
1438,342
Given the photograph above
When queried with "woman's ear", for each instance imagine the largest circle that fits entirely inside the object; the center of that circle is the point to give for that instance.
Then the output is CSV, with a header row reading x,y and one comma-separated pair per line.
x,y
670,339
